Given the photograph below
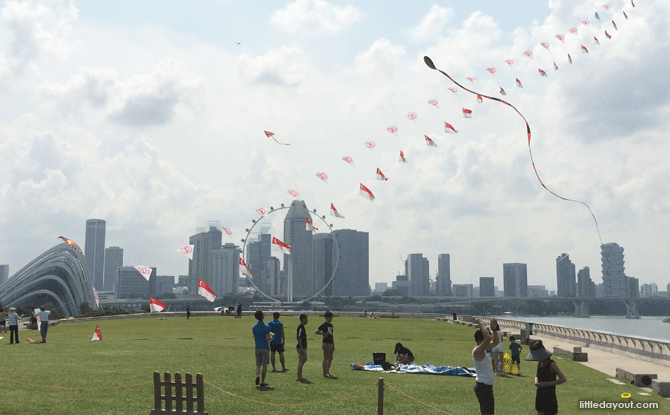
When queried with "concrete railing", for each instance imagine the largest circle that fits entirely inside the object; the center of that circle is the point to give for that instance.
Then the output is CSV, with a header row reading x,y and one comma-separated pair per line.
x,y
655,351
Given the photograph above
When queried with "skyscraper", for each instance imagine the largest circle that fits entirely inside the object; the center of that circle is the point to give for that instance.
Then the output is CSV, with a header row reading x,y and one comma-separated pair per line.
x,y
615,282
94,251
586,287
418,275
633,287
225,269
352,276
443,275
113,260
487,287
324,258
515,280
565,277
258,254
200,267
299,263
4,273
132,284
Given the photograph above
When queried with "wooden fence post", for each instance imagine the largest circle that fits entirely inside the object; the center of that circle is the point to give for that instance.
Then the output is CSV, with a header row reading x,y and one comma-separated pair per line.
x,y
380,397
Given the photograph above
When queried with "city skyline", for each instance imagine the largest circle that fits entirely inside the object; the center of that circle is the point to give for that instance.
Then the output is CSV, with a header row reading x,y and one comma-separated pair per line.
x,y
155,122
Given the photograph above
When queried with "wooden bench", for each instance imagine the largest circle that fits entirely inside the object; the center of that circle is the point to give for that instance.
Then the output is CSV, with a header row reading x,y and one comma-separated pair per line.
x,y
636,376
576,354
174,403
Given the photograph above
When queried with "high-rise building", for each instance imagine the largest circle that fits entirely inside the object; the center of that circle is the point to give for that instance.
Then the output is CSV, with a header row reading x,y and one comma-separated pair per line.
x,y
463,290
182,281
225,269
537,291
113,260
275,283
352,276
565,277
4,273
418,275
94,251
324,259
633,287
515,280
298,265
401,284
380,288
258,254
132,284
486,287
200,267
615,282
443,276
649,290
164,284
586,287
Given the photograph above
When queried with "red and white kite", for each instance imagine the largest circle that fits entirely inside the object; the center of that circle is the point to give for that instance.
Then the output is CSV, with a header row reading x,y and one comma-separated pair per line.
x,y
402,157
412,116
625,15
448,128
479,99
607,6
261,211
309,226
366,193
471,79
584,50
555,66
492,70
268,134
187,250
244,268
614,24
349,160
528,53
285,248
546,45
380,176
608,35
454,90
434,103
518,83
542,73
561,38
502,91
510,62
97,299
97,334
227,231
371,145
585,22
392,129
293,192
206,291
323,176
145,271
156,305
467,113
334,212
573,30
596,40
570,59
430,142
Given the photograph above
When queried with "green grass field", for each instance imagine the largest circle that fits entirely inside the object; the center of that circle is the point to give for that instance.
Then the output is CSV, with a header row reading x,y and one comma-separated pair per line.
x,y
221,348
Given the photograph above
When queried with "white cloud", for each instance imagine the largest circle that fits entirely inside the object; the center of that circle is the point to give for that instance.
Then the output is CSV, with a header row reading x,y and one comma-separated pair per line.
x,y
382,59
315,17
432,23
286,67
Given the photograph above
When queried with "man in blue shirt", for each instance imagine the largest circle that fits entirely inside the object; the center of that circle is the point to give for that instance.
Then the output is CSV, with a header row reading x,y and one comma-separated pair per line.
x,y
277,344
262,335
44,322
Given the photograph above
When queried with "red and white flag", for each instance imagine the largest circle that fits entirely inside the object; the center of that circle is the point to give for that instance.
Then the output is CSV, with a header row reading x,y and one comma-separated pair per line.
x,y
293,192
156,305
569,59
545,45
285,248
596,40
452,89
614,25
492,70
97,299
607,6
366,193
528,53
585,22
584,50
434,103
502,91
371,145
261,211
471,79
145,271
97,334
412,116
206,291
430,142
518,83
187,250
349,160
244,268
573,30
448,128
510,62
467,113
227,231
479,99
309,226
608,35
334,212
542,73
392,129
323,176
380,176
402,157
555,66
561,38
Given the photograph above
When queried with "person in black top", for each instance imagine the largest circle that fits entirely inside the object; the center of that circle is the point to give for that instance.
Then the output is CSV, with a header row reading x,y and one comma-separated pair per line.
x,y
404,355
328,344
545,380
301,348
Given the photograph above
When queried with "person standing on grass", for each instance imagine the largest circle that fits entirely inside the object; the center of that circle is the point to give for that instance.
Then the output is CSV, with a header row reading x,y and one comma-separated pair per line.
x,y
515,348
2,320
188,312
262,336
302,346
44,324
277,344
545,379
484,381
327,344
498,350
13,326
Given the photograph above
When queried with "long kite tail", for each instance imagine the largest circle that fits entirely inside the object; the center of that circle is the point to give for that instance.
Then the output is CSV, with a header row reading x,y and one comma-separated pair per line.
x,y
431,65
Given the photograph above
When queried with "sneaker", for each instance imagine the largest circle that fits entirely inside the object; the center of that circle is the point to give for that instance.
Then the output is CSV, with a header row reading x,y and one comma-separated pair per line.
x,y
258,380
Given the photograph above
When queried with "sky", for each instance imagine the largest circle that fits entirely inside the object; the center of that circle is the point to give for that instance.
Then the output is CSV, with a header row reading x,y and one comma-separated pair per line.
x,y
151,116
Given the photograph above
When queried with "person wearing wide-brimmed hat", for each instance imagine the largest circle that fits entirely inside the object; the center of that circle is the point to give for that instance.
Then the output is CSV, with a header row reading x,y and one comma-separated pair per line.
x,y
545,379
13,326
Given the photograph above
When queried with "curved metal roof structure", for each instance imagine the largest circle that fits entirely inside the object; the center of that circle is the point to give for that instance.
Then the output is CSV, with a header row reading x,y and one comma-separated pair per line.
x,y
59,275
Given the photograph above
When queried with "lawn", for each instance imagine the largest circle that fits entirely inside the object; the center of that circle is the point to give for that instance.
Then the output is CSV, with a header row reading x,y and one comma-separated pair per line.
x,y
221,348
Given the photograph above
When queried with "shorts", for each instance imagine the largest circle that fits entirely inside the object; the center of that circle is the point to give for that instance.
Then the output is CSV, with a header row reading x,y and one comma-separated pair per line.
x,y
277,348
262,357
484,394
516,359
498,348
328,349
410,359
302,355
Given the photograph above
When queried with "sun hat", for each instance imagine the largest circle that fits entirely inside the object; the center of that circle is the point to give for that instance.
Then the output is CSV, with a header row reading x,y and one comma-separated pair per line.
x,y
537,351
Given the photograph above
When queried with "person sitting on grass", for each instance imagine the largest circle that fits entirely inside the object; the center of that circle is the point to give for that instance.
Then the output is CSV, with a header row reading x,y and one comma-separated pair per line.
x,y
485,379
262,336
545,379
403,354
515,348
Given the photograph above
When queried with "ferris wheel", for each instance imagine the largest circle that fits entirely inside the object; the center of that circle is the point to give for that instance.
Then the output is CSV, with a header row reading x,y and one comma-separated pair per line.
x,y
296,269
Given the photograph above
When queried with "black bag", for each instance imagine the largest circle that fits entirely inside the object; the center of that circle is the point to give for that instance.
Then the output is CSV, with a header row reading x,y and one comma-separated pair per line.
x,y
386,365
378,358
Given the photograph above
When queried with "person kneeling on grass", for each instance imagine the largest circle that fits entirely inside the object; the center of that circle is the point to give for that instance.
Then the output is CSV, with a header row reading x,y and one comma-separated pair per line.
x,y
545,379
403,354
262,336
